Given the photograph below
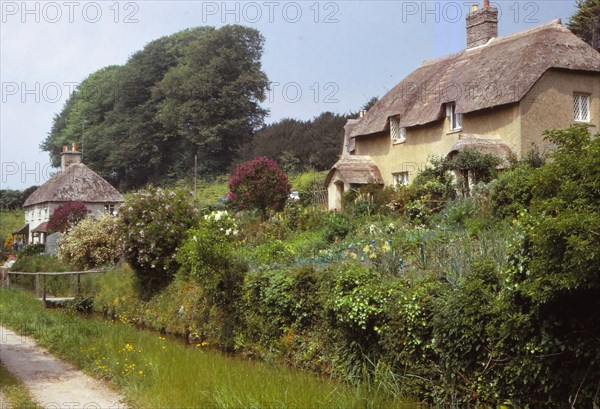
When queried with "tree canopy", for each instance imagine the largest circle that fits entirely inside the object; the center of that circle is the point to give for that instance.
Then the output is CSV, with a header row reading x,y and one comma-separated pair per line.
x,y
586,22
194,92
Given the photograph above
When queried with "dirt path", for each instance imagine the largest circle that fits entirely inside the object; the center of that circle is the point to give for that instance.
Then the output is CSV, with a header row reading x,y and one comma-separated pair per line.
x,y
53,383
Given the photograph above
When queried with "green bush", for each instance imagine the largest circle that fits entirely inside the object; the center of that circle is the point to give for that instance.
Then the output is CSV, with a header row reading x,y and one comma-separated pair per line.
x,y
458,212
336,226
512,191
207,255
55,285
462,338
153,224
39,263
481,167
406,339
433,186
32,249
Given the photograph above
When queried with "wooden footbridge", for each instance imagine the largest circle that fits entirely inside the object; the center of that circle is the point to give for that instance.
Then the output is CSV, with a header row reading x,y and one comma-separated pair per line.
x,y
41,290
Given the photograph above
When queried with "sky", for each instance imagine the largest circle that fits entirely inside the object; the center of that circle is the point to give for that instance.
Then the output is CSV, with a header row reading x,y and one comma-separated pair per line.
x,y
319,55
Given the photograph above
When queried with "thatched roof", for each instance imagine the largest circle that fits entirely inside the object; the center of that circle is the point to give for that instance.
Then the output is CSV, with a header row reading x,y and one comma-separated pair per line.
x,y
485,144
77,183
356,169
500,72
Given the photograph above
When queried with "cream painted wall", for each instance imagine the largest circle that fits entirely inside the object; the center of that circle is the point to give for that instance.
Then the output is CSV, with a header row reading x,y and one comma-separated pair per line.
x,y
549,105
409,156
503,121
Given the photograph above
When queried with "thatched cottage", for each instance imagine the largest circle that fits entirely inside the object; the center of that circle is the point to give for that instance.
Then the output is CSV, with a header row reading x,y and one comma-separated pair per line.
x,y
497,96
74,183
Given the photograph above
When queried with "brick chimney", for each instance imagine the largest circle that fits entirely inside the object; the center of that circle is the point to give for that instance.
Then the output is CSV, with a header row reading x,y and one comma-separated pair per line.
x,y
69,157
482,25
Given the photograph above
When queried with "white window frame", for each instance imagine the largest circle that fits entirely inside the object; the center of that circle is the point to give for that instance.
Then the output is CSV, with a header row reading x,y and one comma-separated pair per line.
x,y
400,179
110,209
581,107
397,133
455,119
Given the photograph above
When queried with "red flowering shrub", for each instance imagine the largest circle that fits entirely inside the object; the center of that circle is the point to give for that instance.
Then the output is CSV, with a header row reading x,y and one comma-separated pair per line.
x,y
153,223
66,216
259,184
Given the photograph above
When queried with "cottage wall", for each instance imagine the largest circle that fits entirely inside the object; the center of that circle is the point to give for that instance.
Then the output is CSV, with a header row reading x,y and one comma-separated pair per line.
x,y
436,139
549,105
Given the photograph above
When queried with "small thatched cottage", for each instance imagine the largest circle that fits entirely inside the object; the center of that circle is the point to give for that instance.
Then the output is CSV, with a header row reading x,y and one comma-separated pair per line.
x,y
497,96
74,183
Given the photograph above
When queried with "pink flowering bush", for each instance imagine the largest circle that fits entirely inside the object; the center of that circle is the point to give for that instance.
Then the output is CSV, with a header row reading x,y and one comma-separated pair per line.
x,y
153,224
259,184
66,216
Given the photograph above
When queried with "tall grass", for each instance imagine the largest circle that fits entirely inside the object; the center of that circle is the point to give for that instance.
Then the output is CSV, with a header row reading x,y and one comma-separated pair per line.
x,y
154,371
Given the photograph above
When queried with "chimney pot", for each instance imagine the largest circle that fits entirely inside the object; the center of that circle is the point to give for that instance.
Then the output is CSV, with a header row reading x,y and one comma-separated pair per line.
x,y
68,158
486,4
474,8
482,25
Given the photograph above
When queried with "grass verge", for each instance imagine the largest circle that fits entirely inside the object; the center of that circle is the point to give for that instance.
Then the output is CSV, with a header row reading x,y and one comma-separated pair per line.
x,y
156,372
13,393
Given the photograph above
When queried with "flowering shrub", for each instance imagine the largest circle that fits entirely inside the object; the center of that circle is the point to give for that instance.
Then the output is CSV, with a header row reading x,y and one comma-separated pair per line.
x,y
91,243
207,252
207,256
153,223
259,184
66,216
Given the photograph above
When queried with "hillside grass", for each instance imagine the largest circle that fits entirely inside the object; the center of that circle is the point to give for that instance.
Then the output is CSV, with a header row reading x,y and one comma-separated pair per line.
x,y
10,220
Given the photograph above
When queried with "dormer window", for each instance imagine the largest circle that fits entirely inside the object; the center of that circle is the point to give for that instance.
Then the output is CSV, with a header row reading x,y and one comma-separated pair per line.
x,y
581,107
455,118
397,133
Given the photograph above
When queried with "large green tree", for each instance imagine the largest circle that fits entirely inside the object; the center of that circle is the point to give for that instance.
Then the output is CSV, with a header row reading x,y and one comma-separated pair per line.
x,y
196,91
211,98
586,22
300,145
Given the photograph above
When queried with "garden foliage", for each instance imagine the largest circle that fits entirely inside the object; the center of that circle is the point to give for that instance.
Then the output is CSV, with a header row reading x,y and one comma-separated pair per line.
x,y
457,308
153,224
91,243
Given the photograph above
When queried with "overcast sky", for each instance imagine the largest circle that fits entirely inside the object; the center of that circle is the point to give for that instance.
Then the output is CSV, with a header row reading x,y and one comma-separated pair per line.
x,y
319,56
